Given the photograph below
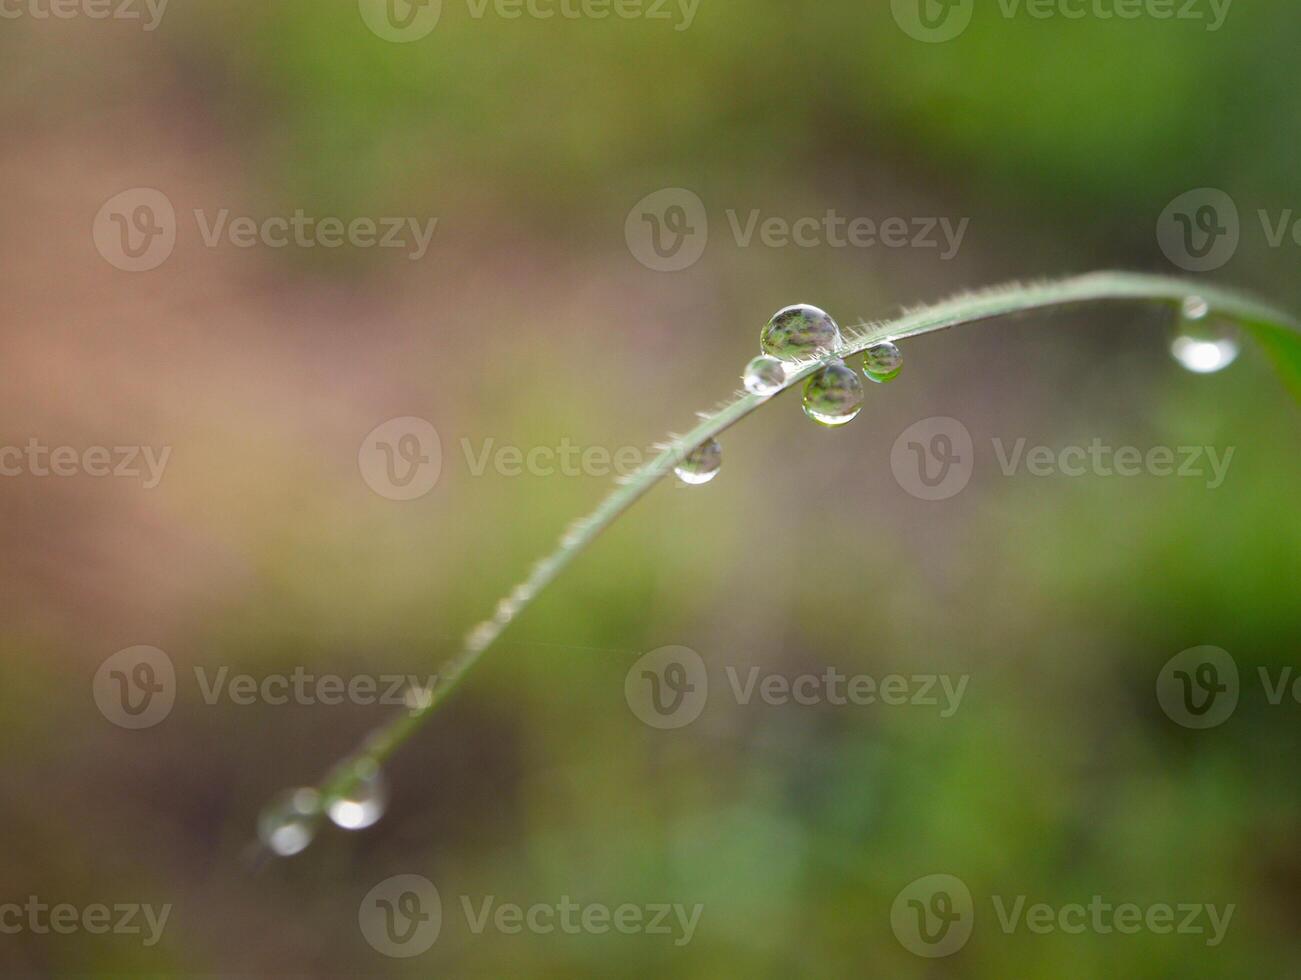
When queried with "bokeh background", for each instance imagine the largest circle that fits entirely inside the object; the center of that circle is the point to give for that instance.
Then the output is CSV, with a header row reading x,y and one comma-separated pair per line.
x,y
531,321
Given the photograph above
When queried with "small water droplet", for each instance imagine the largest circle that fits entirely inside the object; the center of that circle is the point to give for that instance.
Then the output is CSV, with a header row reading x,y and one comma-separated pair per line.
x,y
882,362
362,799
833,396
799,331
1203,343
701,464
288,823
1195,308
764,375
418,697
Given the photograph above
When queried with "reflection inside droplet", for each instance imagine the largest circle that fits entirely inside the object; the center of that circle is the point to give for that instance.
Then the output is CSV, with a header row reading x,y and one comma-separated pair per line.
x,y
362,799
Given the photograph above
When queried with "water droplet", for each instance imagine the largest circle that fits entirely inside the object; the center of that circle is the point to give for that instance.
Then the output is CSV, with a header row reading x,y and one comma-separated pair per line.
x,y
799,331
1203,343
288,823
362,799
701,464
1195,308
833,396
882,362
764,375
418,697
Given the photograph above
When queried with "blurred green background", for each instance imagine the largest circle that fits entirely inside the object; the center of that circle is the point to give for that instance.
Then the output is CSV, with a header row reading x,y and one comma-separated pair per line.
x,y
531,321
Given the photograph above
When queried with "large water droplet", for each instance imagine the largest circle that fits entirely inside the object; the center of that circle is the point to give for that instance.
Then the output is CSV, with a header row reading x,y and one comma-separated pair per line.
x,y
362,798
882,362
701,464
1203,342
764,375
833,396
288,823
799,331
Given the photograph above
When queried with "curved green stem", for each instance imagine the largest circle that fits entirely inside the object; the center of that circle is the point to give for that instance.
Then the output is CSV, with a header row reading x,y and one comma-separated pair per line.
x,y
1271,326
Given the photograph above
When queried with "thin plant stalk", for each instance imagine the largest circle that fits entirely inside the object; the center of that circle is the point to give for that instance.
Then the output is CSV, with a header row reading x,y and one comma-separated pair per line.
x,y
1276,330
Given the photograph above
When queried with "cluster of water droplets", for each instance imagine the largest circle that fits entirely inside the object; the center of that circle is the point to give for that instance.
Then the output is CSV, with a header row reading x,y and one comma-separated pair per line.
x,y
1203,342
833,395
357,799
